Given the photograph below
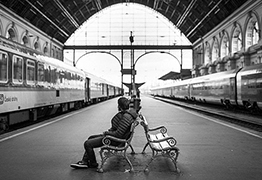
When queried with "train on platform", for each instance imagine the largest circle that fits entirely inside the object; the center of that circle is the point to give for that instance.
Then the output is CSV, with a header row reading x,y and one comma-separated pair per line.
x,y
34,86
234,88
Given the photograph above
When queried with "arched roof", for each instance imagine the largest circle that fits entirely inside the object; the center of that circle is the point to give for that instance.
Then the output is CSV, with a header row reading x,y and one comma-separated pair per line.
x,y
60,18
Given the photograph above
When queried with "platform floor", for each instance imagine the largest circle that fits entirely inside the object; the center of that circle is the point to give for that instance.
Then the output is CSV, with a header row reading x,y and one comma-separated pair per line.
x,y
210,149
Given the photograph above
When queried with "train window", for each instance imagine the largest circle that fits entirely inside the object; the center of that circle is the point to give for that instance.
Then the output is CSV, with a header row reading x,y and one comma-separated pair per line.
x,y
40,73
3,66
30,72
251,83
17,69
259,83
68,75
53,75
61,76
47,73
103,88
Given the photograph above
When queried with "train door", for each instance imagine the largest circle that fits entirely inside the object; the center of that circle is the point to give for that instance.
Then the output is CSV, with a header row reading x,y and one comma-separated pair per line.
x,y
232,90
107,90
103,89
188,91
87,90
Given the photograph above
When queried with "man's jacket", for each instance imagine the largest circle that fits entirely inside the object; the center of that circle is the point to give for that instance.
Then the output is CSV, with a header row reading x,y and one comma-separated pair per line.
x,y
121,124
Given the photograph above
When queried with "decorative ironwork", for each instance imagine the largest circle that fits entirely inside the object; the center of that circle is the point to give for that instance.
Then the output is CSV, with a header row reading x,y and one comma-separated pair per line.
x,y
109,150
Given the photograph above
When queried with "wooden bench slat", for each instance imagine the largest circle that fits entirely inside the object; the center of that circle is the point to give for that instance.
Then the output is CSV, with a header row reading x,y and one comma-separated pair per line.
x,y
160,146
164,145
158,136
161,136
152,137
156,146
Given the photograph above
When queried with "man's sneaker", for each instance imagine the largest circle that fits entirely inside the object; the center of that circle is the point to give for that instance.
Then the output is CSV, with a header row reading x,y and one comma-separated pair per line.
x,y
79,165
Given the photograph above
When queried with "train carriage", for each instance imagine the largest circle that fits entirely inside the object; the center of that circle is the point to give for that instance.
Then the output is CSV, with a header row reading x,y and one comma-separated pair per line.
x,y
98,88
36,85
118,91
249,89
181,90
214,88
161,91
111,91
239,87
33,85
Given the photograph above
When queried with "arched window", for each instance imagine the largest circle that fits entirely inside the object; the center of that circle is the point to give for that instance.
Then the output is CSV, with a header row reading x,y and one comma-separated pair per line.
x,y
11,35
53,52
224,45
1,29
215,50
252,32
237,39
207,53
36,44
25,41
45,49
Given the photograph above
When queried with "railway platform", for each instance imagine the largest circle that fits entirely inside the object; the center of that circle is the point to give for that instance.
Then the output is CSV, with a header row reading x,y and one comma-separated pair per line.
x,y
209,148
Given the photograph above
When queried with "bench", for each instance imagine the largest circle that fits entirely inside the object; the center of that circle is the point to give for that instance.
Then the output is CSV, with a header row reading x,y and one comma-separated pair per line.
x,y
160,143
108,150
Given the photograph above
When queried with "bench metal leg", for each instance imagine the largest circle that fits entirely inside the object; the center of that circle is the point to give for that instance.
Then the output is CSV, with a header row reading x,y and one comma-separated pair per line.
x,y
143,152
132,149
129,162
105,154
172,154
152,158
103,159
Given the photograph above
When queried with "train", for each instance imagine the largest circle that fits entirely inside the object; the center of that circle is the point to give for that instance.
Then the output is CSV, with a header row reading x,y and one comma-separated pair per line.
x,y
34,85
238,88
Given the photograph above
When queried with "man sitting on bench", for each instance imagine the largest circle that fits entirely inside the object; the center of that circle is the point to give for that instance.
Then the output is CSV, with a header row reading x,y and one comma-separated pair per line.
x,y
121,123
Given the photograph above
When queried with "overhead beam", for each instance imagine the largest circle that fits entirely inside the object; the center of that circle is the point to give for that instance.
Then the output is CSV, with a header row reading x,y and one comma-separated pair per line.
x,y
174,10
184,15
155,6
200,22
66,13
42,14
98,4
119,47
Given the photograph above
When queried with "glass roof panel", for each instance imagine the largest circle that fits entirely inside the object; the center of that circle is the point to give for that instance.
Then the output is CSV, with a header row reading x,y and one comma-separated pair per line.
x,y
112,26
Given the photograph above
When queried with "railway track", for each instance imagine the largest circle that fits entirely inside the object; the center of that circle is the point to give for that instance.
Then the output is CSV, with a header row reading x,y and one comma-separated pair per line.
x,y
236,116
